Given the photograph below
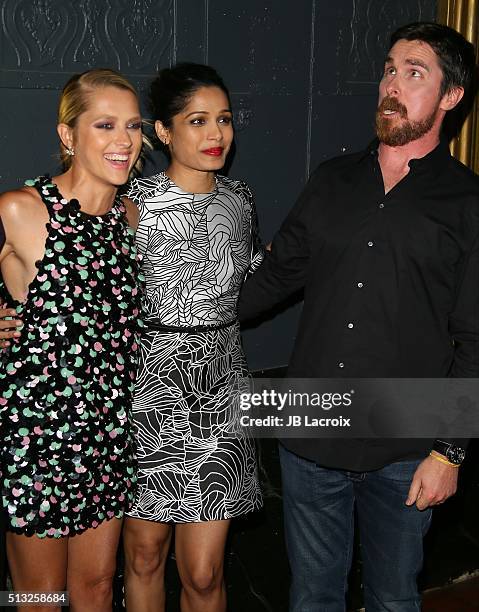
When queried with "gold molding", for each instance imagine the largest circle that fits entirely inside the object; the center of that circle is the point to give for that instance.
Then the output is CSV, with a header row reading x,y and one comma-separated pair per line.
x,y
463,16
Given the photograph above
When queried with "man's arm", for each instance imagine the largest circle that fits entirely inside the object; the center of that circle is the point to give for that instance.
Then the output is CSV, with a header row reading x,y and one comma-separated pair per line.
x,y
435,480
285,267
464,319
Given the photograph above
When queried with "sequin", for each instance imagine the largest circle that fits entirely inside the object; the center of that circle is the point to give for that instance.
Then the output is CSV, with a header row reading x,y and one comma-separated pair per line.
x,y
67,460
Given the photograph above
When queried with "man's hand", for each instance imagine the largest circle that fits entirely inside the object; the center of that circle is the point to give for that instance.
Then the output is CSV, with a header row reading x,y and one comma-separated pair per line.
x,y
432,484
8,328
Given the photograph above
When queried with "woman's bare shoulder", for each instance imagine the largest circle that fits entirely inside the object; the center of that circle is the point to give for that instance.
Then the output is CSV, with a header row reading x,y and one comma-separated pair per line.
x,y
19,202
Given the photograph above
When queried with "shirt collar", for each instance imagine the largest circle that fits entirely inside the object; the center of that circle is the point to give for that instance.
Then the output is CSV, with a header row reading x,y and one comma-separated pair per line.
x,y
434,160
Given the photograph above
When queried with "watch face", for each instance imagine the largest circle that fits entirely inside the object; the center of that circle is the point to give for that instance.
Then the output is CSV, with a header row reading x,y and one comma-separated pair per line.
x,y
455,454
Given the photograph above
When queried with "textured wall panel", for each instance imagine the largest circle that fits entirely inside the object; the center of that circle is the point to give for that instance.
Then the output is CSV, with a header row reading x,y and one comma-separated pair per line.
x,y
44,41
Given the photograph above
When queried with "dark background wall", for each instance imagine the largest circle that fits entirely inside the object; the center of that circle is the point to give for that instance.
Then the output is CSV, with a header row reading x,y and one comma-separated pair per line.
x,y
303,76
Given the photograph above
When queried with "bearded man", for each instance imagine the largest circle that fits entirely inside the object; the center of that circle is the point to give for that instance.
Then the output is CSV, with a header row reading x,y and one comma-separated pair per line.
x,y
385,243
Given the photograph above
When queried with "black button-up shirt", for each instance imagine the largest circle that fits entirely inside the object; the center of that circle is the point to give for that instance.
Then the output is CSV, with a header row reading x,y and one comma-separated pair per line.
x,y
391,283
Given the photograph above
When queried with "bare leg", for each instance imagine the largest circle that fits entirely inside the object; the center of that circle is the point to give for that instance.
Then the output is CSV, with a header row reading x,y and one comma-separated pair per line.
x,y
37,564
200,549
91,567
146,546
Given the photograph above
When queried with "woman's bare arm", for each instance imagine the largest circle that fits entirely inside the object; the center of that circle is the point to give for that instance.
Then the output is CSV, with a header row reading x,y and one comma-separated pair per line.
x,y
23,240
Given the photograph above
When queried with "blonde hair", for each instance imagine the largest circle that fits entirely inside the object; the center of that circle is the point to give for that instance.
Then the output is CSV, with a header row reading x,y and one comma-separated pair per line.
x,y
74,102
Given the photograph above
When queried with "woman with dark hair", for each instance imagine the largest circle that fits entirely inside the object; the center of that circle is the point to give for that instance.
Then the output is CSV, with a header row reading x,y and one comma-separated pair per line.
x,y
70,267
197,234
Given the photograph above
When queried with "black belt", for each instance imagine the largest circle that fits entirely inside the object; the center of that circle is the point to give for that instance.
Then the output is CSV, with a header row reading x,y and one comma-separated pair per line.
x,y
157,326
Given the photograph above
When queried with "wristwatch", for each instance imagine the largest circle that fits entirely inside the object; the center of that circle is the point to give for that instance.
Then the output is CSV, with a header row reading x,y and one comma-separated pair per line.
x,y
454,454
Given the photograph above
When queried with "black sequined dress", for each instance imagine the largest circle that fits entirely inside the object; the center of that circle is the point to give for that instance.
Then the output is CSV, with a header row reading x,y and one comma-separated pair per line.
x,y
66,448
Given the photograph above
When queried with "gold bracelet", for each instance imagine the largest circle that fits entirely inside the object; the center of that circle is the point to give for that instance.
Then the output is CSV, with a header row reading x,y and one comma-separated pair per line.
x,y
440,458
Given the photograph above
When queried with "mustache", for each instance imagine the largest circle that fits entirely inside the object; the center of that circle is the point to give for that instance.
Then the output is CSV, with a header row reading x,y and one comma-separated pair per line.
x,y
389,103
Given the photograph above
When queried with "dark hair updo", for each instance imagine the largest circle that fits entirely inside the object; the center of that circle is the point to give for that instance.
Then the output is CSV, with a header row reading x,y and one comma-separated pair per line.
x,y
174,87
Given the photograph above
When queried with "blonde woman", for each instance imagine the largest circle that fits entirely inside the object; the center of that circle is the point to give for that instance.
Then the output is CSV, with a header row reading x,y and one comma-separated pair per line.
x,y
70,269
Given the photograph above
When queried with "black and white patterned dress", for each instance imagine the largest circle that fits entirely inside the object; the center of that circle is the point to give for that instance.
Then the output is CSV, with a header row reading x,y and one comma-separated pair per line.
x,y
194,463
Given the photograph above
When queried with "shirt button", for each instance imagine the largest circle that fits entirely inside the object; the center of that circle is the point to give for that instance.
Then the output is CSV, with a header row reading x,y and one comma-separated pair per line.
x,y
381,205
360,285
370,243
350,325
340,364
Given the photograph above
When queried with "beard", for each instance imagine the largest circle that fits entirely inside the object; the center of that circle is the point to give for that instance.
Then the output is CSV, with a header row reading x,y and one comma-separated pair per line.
x,y
407,131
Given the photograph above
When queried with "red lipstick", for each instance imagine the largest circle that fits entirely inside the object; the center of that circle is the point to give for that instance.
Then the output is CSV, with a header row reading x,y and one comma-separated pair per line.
x,y
215,151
